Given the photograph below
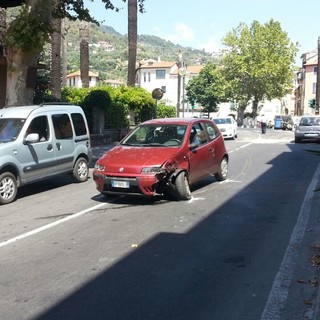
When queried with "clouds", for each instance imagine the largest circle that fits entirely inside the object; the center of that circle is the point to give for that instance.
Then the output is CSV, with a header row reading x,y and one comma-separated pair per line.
x,y
180,34
185,35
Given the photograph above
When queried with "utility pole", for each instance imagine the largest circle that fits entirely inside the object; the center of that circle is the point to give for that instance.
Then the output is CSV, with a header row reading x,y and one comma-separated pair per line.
x,y
318,81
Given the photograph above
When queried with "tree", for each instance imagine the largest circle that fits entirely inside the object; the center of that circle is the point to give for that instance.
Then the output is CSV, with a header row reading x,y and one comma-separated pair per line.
x,y
259,62
2,59
56,57
207,88
84,53
132,41
27,35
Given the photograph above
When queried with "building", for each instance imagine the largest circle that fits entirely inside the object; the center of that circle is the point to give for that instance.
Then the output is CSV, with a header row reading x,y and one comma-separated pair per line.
x,y
153,74
114,83
307,83
74,79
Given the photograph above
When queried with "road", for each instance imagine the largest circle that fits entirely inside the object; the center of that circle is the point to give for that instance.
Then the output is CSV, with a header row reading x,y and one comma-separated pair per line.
x,y
66,252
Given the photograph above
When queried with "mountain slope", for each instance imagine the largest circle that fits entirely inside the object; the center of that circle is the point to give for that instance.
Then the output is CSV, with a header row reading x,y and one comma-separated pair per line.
x,y
109,53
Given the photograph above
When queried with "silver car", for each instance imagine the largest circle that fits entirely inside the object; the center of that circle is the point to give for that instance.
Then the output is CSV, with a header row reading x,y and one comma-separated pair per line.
x,y
41,141
307,129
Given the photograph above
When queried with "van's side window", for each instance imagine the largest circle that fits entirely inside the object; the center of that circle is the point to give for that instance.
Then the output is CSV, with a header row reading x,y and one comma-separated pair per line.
x,y
79,124
62,126
40,126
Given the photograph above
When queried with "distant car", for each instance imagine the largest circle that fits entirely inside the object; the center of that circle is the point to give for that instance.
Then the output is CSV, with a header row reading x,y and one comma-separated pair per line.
x,y
307,129
284,122
228,126
163,156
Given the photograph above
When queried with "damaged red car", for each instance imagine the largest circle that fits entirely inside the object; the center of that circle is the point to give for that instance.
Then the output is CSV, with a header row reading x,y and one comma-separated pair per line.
x,y
161,157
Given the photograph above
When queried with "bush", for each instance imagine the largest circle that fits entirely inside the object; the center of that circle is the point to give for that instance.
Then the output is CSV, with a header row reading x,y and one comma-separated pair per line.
x,y
166,111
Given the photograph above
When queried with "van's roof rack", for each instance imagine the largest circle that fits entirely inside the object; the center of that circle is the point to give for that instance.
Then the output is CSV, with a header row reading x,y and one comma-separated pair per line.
x,y
55,103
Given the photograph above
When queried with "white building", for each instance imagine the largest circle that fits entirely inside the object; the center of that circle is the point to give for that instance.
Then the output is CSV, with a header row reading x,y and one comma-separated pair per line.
x,y
152,74
74,79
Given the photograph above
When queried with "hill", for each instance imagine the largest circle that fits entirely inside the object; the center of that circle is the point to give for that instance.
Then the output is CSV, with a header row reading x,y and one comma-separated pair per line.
x,y
109,51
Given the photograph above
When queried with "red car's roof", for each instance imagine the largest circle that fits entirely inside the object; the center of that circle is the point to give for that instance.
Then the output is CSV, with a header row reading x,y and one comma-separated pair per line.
x,y
183,121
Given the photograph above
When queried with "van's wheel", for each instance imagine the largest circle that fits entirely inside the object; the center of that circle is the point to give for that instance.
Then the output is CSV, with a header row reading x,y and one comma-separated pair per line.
x,y
223,170
8,187
183,191
80,170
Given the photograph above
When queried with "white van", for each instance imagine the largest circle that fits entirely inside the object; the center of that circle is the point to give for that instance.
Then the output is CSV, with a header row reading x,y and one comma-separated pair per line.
x,y
39,142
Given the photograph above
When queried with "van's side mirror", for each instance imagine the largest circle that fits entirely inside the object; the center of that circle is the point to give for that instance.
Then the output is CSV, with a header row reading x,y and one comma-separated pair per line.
x,y
32,138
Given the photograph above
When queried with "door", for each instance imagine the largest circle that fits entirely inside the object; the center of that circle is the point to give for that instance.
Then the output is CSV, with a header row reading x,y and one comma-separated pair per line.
x,y
37,157
200,155
64,144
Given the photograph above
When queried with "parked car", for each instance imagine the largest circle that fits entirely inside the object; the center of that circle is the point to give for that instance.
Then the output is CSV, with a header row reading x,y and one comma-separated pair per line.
x,y
39,142
161,157
284,122
307,129
227,125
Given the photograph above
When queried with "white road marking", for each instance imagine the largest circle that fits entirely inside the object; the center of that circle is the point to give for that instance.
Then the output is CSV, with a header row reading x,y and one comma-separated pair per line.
x,y
50,225
283,279
195,199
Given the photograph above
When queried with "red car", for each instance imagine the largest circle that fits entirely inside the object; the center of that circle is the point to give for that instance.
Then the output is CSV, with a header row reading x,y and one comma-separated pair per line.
x,y
163,156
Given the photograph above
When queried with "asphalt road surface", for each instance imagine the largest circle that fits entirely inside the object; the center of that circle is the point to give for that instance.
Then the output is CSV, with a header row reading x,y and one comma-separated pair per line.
x,y
234,251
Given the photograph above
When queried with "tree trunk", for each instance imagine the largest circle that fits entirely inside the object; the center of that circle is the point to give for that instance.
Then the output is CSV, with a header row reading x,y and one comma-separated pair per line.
x,y
56,58
3,61
132,41
21,77
3,25
64,52
84,53
22,66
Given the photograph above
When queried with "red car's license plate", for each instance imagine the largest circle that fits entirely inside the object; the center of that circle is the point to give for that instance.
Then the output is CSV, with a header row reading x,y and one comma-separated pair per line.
x,y
119,184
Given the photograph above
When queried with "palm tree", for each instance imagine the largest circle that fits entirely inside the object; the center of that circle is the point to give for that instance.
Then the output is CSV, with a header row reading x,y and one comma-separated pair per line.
x,y
84,53
56,58
3,63
132,41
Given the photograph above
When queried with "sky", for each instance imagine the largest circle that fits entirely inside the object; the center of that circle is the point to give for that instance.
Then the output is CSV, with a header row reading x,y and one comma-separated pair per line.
x,y
202,24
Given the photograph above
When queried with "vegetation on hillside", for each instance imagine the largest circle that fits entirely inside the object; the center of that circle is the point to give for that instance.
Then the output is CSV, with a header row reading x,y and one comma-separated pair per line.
x,y
109,51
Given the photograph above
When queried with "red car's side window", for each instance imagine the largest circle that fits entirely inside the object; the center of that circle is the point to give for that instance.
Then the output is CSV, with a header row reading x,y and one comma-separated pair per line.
x,y
198,135
212,132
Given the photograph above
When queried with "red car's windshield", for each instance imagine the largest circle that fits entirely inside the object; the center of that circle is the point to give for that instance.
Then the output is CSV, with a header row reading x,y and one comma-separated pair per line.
x,y
161,135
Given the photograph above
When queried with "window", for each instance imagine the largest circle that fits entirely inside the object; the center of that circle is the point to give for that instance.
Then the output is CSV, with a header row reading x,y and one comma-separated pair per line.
x,y
314,88
315,70
149,76
211,131
144,77
160,74
198,135
79,124
62,126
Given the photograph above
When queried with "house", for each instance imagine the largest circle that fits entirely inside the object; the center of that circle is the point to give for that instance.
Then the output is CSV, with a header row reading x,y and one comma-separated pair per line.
x,y
113,83
307,82
74,79
152,74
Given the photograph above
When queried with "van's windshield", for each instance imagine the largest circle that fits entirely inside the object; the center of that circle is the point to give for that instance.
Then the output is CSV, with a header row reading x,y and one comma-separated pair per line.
x,y
10,129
